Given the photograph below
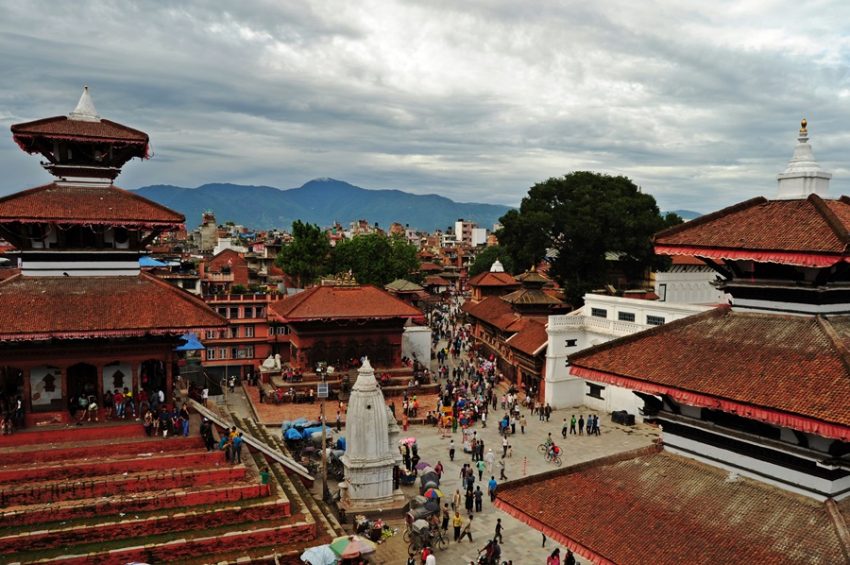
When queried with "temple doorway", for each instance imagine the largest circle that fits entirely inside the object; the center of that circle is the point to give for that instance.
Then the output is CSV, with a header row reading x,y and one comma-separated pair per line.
x,y
82,381
152,376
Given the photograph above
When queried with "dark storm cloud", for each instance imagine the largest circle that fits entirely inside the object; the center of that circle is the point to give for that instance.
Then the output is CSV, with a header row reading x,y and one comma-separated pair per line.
x,y
475,100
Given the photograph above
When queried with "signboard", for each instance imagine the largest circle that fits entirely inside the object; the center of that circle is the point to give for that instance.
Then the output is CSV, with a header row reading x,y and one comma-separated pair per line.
x,y
322,390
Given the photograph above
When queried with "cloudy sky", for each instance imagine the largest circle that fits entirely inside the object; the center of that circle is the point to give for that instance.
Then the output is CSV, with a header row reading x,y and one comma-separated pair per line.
x,y
475,100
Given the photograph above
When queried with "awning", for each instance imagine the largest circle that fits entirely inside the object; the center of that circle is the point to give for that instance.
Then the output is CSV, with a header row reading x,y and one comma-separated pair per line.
x,y
145,261
192,343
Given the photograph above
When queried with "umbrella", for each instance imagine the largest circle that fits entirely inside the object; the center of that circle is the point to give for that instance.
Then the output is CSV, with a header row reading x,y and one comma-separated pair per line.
x,y
349,547
433,493
319,555
408,441
422,465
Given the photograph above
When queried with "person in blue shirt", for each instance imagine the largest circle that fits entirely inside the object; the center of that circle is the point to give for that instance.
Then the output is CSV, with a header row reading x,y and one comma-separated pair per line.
x,y
237,448
491,488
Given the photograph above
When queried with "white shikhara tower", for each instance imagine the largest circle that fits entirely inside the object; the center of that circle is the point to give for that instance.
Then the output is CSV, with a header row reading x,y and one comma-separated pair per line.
x,y
371,447
803,175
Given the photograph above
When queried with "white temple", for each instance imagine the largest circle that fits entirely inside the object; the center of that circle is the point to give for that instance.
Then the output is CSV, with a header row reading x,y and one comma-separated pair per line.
x,y
371,448
803,175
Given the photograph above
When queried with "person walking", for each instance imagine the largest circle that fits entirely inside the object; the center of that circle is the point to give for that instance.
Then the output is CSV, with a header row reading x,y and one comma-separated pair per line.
x,y
581,425
480,465
451,450
491,488
573,425
490,458
479,497
501,465
457,522
456,500
564,429
499,528
569,558
446,516
554,557
522,423
467,530
504,447
469,500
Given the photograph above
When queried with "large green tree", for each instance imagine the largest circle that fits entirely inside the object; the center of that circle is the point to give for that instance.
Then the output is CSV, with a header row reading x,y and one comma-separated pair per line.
x,y
375,258
307,256
575,220
487,256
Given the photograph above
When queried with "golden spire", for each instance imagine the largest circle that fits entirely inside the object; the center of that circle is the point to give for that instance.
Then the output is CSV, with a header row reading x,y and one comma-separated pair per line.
x,y
803,124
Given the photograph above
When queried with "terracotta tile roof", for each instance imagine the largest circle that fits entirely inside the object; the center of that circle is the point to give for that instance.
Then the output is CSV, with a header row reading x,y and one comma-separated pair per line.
x,y
7,272
63,127
531,296
41,308
493,279
87,205
686,260
436,280
760,229
644,507
342,302
403,285
429,266
788,370
531,339
492,310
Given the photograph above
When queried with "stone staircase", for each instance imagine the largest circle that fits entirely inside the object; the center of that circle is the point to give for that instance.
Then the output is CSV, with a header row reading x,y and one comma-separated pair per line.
x,y
109,494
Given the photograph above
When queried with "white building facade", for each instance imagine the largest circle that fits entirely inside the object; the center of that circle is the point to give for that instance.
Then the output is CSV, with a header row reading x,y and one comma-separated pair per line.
x,y
601,319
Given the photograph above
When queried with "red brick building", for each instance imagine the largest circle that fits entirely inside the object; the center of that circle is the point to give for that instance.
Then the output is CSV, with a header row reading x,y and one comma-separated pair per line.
x,y
336,324
80,317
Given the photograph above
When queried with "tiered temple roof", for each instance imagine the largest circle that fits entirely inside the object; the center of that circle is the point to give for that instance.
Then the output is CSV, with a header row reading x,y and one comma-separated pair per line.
x,y
650,507
787,370
342,302
44,308
88,205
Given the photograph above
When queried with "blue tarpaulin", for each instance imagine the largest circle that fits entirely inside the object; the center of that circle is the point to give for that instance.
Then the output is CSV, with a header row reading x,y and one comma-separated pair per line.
x,y
145,261
292,433
192,343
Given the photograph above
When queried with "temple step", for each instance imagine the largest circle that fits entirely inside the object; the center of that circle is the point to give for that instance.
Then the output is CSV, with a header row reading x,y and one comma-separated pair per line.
x,y
176,546
53,491
66,434
100,507
132,463
154,524
81,450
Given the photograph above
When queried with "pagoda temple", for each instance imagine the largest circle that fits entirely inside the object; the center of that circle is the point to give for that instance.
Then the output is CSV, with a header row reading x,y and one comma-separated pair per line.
x,y
79,317
751,398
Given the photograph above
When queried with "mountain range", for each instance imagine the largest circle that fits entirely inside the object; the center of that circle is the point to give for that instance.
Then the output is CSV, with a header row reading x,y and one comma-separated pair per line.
x,y
319,201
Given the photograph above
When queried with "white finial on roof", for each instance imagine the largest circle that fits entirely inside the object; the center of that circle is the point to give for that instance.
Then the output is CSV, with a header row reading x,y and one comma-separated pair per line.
x,y
497,267
85,111
803,176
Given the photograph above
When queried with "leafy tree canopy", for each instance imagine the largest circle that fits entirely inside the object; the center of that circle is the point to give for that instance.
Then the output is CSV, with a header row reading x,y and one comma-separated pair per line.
x,y
575,220
307,256
375,258
487,256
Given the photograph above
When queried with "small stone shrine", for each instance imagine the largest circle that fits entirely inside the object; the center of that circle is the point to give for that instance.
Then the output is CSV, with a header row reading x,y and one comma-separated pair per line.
x,y
372,449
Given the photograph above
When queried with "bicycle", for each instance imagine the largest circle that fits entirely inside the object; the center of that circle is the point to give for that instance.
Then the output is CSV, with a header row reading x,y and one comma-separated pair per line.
x,y
554,458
